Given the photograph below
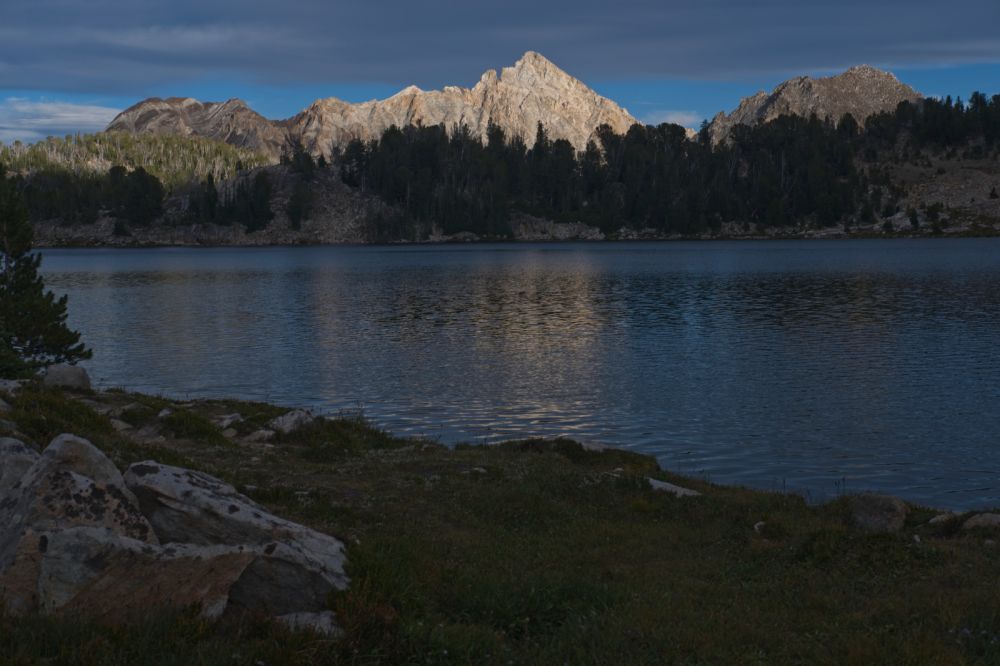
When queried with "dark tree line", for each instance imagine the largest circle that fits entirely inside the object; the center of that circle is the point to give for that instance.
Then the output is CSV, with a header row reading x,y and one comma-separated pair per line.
x,y
651,178
790,171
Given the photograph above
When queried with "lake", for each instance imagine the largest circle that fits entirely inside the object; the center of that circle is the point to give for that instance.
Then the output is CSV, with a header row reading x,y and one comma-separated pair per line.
x,y
816,367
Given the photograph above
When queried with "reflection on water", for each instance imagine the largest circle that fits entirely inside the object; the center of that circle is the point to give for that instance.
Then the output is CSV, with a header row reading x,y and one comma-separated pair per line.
x,y
798,365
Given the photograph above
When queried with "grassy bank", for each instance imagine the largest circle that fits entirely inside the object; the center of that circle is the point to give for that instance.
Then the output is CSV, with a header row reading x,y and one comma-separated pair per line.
x,y
535,552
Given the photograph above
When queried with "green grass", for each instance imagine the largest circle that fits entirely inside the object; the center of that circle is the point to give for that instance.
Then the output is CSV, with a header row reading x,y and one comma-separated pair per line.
x,y
541,552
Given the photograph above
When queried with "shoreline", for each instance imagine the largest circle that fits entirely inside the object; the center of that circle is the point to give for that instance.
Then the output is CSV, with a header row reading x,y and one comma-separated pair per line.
x,y
531,551
986,233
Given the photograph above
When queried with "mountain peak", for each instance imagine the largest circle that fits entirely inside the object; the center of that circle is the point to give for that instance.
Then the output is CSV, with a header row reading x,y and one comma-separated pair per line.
x,y
532,91
862,91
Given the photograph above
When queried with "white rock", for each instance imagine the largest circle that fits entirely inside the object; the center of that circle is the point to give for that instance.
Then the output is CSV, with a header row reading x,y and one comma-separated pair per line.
x,y
191,507
164,413
665,487
67,376
120,426
982,520
324,622
293,420
228,420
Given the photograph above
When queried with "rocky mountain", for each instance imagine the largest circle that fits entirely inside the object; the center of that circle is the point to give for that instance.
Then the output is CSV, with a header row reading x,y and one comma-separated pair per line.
x,y
518,98
861,91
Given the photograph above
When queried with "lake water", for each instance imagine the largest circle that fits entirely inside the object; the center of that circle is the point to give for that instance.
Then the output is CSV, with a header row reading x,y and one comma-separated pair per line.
x,y
807,366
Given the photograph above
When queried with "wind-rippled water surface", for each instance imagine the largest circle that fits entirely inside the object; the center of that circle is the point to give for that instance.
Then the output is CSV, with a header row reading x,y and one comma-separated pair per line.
x,y
810,366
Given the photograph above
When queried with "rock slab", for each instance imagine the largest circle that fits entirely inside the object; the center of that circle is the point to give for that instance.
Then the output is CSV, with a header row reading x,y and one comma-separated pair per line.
x,y
76,537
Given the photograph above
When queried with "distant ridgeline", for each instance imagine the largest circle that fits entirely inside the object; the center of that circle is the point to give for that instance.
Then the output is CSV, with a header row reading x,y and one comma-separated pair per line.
x,y
78,178
789,171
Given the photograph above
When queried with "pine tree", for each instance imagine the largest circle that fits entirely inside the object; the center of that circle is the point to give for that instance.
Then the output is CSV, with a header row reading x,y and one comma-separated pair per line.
x,y
33,331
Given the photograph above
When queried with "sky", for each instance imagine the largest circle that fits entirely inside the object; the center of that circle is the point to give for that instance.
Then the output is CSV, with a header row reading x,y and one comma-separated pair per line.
x,y
70,65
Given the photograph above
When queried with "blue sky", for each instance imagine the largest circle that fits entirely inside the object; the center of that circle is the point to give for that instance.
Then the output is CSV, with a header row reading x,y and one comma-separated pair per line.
x,y
70,65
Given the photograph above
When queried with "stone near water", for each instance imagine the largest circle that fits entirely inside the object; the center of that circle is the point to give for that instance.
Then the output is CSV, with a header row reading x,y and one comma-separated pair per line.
x,y
291,421
877,513
663,486
67,376
942,518
982,521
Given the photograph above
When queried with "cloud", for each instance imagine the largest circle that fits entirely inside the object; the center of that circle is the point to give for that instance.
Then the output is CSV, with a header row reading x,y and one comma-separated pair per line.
x,y
683,118
25,120
134,46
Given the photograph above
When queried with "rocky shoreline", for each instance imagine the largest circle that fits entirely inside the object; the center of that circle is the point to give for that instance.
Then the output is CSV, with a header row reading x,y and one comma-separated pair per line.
x,y
113,505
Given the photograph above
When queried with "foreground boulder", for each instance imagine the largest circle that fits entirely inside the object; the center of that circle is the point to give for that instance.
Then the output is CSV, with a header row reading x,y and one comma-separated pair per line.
x,y
71,484
16,458
297,567
74,539
67,376
877,513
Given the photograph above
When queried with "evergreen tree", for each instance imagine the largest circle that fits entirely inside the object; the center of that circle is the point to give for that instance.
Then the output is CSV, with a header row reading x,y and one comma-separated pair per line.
x,y
33,331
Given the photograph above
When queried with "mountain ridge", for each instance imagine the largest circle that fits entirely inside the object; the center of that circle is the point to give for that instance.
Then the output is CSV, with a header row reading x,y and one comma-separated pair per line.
x,y
516,99
861,90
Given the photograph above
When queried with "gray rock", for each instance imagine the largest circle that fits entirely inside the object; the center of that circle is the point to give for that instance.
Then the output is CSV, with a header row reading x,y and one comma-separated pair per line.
x,y
164,413
229,433
4,407
120,426
72,484
259,436
877,513
228,420
663,486
324,623
191,507
982,520
67,376
293,420
10,385
16,458
74,541
942,518
92,571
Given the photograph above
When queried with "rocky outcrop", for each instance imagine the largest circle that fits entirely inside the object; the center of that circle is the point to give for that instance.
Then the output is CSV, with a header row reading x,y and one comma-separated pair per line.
x,y
67,376
877,513
77,537
516,99
861,91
